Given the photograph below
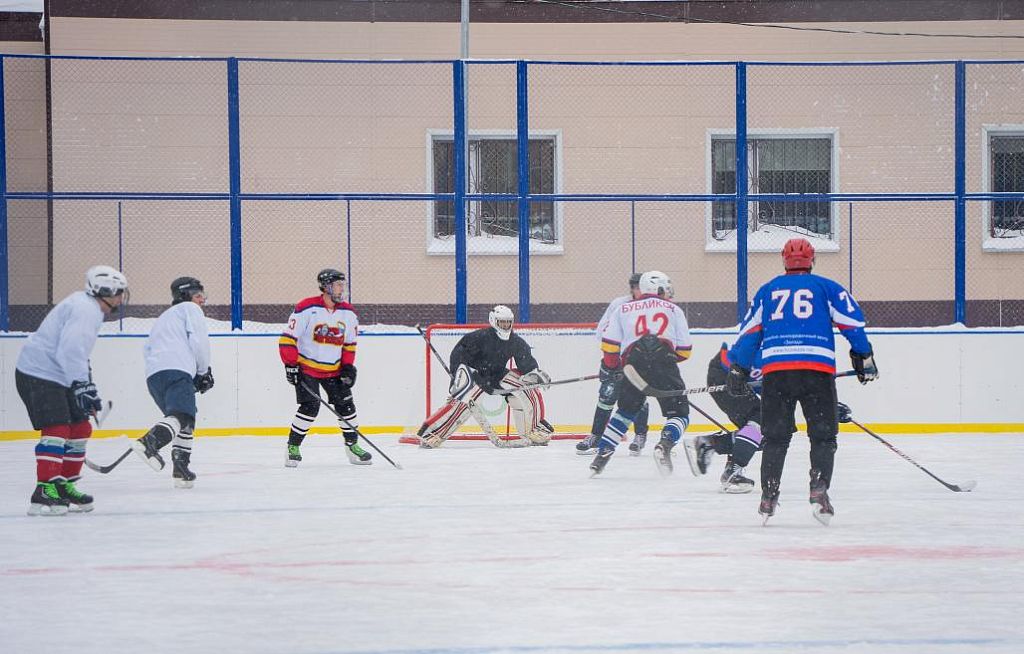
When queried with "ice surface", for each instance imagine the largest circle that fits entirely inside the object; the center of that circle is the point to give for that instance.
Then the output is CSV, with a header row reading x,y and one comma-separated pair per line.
x,y
473,549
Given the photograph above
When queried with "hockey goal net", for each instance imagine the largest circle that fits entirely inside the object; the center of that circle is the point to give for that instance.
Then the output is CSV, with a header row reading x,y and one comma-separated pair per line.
x,y
563,350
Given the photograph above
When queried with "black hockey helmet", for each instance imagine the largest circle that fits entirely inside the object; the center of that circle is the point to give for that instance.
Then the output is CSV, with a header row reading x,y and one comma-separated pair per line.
x,y
184,288
328,276
634,280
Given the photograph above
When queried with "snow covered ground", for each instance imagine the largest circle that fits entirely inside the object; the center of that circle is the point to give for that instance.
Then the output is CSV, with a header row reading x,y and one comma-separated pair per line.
x,y
471,549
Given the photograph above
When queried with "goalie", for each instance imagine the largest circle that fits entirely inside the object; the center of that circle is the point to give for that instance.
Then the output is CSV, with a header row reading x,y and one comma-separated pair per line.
x,y
479,365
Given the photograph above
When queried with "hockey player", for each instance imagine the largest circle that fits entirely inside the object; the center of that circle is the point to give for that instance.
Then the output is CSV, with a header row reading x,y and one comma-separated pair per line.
x,y
54,381
650,334
318,348
479,365
741,445
177,354
609,390
790,320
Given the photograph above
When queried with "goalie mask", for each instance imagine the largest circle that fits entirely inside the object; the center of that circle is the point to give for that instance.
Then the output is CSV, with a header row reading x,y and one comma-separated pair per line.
x,y
655,282
501,320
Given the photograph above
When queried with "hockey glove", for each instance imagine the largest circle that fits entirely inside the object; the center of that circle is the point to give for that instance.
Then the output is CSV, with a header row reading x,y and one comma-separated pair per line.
x,y
291,373
87,397
843,413
864,366
203,382
607,374
347,375
537,376
736,382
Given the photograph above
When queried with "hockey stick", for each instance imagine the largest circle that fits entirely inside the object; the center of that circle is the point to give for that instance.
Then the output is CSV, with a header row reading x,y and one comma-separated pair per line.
x,y
100,416
637,380
347,423
965,487
527,387
107,468
708,416
433,349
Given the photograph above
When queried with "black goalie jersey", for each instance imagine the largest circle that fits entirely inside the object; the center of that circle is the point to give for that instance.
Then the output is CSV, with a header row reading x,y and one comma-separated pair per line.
x,y
483,351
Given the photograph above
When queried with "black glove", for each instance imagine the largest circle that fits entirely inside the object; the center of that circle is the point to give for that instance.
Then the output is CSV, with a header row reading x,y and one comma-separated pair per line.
x,y
843,412
606,374
203,382
291,373
87,397
864,366
736,382
347,375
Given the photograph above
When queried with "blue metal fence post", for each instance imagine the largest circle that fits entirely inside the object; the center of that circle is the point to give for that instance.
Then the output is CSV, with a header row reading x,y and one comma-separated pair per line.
x,y
5,296
742,210
235,177
632,235
348,243
960,189
120,261
523,148
459,98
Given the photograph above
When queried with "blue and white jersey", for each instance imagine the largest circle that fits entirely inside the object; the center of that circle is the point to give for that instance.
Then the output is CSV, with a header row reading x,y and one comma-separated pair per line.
x,y
723,360
178,341
790,321
59,350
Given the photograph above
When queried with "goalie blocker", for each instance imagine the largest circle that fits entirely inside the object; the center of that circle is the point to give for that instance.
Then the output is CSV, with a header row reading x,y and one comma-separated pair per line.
x,y
479,365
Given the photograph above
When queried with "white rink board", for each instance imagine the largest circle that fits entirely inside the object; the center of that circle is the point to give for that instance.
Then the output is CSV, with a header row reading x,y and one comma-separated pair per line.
x,y
928,377
472,550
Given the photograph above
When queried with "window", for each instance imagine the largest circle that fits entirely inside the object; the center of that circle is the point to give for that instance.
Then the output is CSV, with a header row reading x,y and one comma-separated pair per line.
x,y
493,225
775,164
1006,173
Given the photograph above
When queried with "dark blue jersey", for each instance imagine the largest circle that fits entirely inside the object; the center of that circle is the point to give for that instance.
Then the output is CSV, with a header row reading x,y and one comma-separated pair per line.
x,y
790,322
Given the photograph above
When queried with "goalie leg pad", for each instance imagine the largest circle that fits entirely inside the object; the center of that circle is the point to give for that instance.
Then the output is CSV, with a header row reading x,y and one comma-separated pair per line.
x,y
442,424
527,408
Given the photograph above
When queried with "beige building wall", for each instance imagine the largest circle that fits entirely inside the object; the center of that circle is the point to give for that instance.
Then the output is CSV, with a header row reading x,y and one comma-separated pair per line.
x,y
347,128
25,103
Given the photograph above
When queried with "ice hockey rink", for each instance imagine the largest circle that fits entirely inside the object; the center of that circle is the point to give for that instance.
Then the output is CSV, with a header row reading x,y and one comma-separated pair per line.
x,y
472,549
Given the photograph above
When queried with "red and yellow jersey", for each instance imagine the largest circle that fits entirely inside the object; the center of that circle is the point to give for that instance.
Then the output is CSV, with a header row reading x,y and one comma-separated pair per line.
x,y
320,340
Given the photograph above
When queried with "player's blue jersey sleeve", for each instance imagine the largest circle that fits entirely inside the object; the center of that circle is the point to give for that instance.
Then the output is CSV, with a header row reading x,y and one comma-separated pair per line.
x,y
747,346
847,317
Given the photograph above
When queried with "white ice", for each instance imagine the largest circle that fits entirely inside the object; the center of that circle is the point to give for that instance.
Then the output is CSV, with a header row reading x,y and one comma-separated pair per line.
x,y
472,549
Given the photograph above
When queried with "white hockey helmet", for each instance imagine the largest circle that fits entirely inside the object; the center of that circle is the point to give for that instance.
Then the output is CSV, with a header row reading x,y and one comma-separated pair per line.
x,y
104,281
501,320
655,282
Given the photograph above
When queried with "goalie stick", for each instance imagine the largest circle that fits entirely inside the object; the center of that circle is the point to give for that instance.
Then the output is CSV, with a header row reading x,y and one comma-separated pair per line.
x,y
528,387
347,423
965,487
433,349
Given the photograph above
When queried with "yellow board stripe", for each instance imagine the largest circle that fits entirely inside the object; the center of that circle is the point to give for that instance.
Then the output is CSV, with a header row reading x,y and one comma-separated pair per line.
x,y
882,428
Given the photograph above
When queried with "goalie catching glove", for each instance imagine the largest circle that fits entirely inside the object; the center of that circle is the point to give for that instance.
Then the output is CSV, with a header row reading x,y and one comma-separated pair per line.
x,y
537,377
864,366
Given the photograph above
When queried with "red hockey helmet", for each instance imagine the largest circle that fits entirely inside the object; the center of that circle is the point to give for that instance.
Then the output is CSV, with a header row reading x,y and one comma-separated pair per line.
x,y
798,254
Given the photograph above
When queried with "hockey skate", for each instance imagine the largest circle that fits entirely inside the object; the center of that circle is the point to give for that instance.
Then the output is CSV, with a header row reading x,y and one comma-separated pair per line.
x,y
769,504
78,502
698,453
148,448
542,434
600,460
587,445
293,457
821,505
663,456
183,477
357,456
733,480
637,446
46,500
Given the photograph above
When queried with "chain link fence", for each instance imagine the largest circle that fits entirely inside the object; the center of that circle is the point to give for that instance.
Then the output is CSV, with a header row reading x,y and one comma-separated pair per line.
x,y
254,174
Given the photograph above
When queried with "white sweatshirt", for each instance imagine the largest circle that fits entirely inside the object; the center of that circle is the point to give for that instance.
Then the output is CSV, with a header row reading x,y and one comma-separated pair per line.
x,y
59,350
178,341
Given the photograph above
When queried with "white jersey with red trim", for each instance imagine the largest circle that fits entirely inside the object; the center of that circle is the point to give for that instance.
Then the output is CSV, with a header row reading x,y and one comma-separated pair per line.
x,y
320,340
648,315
